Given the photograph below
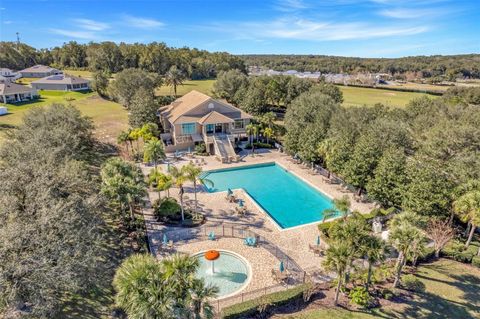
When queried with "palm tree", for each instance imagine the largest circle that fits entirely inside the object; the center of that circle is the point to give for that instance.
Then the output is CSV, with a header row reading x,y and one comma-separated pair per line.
x,y
268,133
199,296
123,183
174,78
147,288
268,119
337,256
328,213
193,174
342,205
179,178
467,207
404,234
154,178
153,151
374,250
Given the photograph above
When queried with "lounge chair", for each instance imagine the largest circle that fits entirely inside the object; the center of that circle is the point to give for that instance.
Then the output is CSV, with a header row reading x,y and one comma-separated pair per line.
x,y
241,210
231,198
211,236
315,248
250,241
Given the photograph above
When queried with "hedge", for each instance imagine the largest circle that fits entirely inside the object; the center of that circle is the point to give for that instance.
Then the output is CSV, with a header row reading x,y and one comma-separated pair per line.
x,y
457,251
259,145
476,261
248,309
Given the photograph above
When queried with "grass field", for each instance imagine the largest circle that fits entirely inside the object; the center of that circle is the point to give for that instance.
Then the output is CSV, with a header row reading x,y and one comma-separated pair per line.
x,y
204,86
109,117
357,96
452,291
81,73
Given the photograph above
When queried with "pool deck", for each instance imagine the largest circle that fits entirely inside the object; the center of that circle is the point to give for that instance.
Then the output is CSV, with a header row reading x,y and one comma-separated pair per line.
x,y
292,241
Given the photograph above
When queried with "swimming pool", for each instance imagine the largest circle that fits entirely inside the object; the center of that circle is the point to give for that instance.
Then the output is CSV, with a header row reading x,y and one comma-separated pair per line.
x,y
286,198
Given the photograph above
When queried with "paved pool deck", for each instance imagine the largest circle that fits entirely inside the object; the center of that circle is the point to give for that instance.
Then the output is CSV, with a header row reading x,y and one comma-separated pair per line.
x,y
292,241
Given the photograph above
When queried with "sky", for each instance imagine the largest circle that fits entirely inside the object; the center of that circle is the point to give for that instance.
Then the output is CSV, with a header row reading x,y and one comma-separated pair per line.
x,y
375,28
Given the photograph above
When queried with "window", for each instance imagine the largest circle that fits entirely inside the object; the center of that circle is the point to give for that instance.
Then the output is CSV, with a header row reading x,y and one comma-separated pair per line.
x,y
209,128
188,128
238,124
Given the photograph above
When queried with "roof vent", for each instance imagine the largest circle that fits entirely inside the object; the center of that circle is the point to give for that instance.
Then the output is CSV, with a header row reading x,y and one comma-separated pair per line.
x,y
211,106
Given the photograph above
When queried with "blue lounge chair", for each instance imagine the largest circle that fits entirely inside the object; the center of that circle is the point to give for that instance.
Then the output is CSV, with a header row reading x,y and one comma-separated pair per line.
x,y
250,241
211,236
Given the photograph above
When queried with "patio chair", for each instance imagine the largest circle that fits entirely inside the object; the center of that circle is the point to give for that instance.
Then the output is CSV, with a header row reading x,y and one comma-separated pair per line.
x,y
250,241
211,236
241,210
279,276
231,198
170,245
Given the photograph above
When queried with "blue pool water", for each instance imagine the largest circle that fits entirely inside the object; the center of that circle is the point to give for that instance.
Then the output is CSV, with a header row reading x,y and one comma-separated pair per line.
x,y
286,198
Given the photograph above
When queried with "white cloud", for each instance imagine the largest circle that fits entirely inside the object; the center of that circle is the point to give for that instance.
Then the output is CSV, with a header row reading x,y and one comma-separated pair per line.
x,y
87,35
91,25
143,23
290,5
7,22
402,13
303,29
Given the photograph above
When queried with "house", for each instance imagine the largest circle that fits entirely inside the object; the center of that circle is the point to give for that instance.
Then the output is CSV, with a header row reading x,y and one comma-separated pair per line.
x,y
7,75
198,118
61,82
38,71
13,93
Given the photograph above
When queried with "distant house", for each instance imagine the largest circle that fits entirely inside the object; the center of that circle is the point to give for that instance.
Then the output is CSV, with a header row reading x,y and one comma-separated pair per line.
x,y
39,71
7,75
13,93
196,117
61,82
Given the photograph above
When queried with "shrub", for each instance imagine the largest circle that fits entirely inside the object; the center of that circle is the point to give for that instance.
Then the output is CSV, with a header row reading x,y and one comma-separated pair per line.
x,y
360,297
387,294
412,283
166,207
258,145
249,309
457,251
476,261
201,149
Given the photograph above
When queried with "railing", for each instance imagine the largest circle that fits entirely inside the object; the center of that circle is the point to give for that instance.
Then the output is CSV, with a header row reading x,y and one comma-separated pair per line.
x,y
180,139
201,233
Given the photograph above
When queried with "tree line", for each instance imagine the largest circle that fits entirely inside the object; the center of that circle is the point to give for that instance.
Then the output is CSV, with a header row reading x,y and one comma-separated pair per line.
x,y
257,95
447,66
416,158
110,57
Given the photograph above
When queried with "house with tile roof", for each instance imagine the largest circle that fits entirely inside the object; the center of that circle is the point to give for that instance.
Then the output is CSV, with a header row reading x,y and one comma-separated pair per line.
x,y
61,82
39,71
198,118
13,93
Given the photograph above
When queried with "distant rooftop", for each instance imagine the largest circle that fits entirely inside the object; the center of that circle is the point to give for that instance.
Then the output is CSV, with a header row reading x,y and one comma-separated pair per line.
x,y
61,79
13,88
39,69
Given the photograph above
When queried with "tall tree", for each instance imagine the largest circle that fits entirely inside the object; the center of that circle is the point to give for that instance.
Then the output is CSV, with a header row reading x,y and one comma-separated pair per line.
x,y
50,228
194,174
127,82
467,207
405,234
179,179
154,151
123,184
336,259
174,78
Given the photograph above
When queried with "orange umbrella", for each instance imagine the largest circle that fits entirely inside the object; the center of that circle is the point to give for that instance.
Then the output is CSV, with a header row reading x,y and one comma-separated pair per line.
x,y
212,255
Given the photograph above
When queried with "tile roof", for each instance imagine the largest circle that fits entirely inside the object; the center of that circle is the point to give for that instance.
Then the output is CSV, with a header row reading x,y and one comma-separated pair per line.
x,y
177,110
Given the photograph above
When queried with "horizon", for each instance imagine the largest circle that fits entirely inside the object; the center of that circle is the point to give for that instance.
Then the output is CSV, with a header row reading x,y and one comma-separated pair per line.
x,y
343,28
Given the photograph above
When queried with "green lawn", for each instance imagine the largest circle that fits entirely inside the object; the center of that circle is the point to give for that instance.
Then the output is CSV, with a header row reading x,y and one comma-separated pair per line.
x,y
81,73
109,117
356,96
204,86
452,291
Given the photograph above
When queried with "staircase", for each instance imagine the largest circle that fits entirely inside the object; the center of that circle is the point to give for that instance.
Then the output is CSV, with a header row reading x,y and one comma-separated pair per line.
x,y
224,149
